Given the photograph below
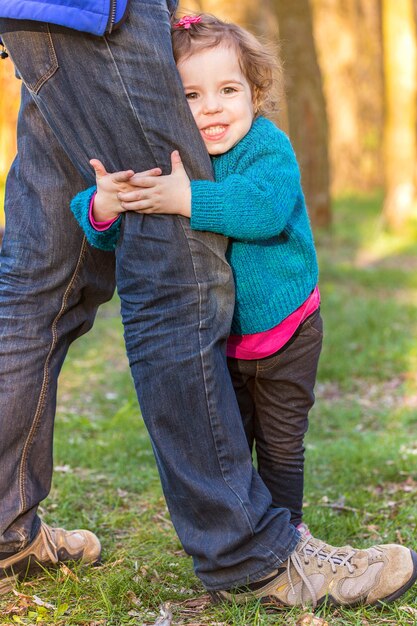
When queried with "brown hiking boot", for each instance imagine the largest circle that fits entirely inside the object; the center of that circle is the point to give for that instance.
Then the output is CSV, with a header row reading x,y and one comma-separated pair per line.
x,y
50,547
317,572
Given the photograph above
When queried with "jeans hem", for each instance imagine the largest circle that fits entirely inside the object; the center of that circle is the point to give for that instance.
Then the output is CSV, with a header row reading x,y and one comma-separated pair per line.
x,y
259,574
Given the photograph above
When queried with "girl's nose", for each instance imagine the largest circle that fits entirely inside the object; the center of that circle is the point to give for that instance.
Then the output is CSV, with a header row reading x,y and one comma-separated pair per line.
x,y
212,104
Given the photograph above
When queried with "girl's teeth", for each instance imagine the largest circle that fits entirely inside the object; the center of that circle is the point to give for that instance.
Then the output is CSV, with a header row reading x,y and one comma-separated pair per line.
x,y
214,130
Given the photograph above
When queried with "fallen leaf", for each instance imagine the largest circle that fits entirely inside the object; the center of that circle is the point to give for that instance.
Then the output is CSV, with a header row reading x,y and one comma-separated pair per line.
x,y
409,609
30,600
165,618
133,599
195,605
16,607
65,570
40,602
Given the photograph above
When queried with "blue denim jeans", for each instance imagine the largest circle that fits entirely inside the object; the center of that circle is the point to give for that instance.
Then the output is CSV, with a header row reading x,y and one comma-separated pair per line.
x,y
119,98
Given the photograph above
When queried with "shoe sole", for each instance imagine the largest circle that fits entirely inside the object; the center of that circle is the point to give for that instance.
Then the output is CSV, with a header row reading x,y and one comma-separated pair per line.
x,y
405,587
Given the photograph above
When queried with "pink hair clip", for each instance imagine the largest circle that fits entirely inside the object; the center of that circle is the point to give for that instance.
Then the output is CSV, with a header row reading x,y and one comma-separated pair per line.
x,y
187,20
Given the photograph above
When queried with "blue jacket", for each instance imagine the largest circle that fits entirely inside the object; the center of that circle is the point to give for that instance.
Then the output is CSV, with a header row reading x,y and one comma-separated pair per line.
x,y
90,16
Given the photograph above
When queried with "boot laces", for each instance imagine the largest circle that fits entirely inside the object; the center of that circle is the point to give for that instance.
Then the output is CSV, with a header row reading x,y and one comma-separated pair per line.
x,y
336,557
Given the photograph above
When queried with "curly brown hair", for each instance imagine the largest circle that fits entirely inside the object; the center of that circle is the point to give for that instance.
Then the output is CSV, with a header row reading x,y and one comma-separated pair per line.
x,y
258,61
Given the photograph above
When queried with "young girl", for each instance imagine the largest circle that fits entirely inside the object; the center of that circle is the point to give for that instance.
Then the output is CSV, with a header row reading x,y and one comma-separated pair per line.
x,y
257,202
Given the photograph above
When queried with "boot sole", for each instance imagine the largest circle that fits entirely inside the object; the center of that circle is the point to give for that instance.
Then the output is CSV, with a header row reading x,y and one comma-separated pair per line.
x,y
405,587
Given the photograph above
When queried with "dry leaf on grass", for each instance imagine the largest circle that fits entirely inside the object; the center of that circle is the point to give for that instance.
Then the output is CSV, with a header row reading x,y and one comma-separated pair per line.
x,y
409,609
16,607
165,619
133,599
31,600
193,606
308,619
40,602
67,573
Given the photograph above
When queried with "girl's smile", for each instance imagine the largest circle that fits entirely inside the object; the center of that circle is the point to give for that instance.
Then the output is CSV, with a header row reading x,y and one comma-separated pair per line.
x,y
214,133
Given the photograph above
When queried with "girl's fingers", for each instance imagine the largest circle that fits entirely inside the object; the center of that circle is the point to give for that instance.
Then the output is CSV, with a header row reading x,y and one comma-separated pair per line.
x,y
98,167
121,177
155,171
140,206
146,179
133,196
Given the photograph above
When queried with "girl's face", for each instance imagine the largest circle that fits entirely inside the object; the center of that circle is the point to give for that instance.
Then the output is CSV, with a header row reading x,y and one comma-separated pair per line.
x,y
219,97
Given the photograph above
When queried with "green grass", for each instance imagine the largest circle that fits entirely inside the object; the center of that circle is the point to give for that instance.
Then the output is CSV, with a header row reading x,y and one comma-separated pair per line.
x,y
361,471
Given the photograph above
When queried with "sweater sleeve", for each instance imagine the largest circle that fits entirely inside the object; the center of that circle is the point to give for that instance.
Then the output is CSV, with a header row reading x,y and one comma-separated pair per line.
x,y
104,240
256,202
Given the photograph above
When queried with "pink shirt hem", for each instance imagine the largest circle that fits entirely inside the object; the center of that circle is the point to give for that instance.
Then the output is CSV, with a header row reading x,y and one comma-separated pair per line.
x,y
261,345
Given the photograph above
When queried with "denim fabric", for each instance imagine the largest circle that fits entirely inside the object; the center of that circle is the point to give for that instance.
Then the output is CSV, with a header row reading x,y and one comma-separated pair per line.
x,y
119,98
275,395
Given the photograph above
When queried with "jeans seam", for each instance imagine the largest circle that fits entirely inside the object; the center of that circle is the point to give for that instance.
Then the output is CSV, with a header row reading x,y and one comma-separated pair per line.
x,y
130,102
205,383
45,381
53,67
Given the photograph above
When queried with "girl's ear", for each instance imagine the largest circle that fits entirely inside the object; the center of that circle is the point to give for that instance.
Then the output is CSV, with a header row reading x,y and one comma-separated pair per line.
x,y
256,100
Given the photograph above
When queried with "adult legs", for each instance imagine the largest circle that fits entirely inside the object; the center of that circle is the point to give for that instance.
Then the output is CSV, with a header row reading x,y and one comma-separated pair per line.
x,y
51,283
120,99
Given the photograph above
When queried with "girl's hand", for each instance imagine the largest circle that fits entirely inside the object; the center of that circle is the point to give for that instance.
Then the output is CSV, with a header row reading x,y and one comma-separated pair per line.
x,y
169,194
106,203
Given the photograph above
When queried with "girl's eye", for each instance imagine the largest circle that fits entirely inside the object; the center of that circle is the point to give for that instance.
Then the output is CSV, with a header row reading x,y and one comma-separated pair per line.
x,y
192,95
229,90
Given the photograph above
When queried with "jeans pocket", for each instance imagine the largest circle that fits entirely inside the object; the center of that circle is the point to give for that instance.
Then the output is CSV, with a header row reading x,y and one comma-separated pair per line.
x,y
38,65
313,324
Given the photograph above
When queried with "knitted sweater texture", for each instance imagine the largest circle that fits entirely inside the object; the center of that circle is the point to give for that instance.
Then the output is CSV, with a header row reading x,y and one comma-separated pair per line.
x,y
257,201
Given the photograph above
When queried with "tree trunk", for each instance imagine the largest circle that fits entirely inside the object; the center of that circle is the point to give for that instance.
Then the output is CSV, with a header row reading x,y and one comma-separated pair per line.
x,y
306,106
400,152
349,48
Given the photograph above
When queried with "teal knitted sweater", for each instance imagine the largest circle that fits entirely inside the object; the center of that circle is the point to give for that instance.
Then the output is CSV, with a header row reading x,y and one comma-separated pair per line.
x,y
257,201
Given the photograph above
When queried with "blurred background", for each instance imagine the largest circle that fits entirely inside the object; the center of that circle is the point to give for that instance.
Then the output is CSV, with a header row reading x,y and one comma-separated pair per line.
x,y
350,96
